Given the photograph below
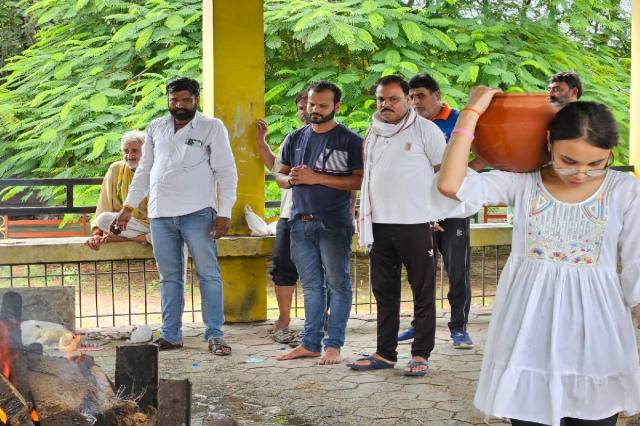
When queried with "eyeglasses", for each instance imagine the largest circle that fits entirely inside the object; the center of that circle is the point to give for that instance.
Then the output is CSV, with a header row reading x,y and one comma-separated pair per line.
x,y
573,171
557,89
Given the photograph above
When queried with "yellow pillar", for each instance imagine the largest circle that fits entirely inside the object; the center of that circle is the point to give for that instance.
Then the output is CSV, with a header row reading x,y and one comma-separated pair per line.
x,y
233,83
634,115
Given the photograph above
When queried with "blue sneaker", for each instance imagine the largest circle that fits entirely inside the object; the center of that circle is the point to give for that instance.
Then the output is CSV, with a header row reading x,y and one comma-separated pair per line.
x,y
461,339
408,334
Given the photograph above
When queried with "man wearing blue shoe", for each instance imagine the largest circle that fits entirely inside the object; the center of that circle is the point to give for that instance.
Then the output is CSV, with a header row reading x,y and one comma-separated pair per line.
x,y
451,236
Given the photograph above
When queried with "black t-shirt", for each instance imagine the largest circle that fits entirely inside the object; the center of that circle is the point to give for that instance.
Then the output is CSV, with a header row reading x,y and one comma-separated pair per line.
x,y
337,152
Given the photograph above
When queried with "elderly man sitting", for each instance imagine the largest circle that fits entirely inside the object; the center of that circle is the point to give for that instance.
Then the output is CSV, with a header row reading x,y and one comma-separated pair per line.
x,y
115,188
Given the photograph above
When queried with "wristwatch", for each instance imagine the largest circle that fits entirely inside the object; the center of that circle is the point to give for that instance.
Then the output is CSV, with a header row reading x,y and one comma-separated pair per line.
x,y
290,183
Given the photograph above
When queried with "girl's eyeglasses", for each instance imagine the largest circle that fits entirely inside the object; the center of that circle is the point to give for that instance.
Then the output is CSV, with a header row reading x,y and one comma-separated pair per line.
x,y
561,171
572,171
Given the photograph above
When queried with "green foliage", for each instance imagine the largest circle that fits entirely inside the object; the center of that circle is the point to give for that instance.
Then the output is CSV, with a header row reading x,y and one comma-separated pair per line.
x,y
98,67
17,29
514,45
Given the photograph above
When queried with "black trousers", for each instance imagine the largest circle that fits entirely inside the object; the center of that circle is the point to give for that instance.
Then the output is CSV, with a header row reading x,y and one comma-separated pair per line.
x,y
411,246
283,271
454,245
568,421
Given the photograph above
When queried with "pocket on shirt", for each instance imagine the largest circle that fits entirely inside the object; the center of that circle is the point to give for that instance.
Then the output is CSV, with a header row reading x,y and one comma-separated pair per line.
x,y
333,161
414,148
193,155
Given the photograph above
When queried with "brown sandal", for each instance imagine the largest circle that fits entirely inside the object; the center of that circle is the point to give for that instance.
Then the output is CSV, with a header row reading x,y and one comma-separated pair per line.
x,y
165,345
218,346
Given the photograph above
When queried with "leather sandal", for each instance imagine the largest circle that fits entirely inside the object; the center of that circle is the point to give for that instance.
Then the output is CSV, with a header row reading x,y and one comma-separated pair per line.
x,y
165,345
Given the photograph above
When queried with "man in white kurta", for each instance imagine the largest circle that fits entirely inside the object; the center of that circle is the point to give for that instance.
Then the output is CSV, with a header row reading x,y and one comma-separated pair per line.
x,y
401,152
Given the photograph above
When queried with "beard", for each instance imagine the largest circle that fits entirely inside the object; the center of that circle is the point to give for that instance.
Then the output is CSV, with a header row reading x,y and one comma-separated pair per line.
x,y
316,118
132,164
182,114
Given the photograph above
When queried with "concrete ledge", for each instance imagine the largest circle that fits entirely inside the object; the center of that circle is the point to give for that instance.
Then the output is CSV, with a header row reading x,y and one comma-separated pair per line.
x,y
52,304
74,249
491,234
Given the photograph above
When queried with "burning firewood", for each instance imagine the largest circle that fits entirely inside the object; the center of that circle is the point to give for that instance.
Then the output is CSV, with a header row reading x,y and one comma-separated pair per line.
x,y
15,394
14,410
45,388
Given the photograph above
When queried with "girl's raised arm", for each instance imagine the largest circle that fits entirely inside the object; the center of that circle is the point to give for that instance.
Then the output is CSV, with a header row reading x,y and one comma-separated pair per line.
x,y
454,165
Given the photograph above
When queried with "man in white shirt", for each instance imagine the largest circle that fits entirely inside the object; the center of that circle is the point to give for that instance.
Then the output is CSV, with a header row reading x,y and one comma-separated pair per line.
x,y
402,150
186,155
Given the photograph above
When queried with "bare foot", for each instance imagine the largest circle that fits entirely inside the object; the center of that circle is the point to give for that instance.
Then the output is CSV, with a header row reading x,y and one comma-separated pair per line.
x,y
331,356
299,352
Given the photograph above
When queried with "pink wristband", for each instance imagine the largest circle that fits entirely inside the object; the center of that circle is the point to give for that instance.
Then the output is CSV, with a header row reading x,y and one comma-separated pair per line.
x,y
464,132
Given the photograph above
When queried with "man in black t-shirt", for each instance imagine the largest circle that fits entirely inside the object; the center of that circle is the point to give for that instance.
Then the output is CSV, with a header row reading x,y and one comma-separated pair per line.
x,y
323,164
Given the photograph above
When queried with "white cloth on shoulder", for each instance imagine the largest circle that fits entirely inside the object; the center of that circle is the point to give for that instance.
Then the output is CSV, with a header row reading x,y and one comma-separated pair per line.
x,y
439,206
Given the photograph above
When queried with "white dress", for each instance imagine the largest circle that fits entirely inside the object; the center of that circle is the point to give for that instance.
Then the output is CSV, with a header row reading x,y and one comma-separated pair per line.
x,y
561,342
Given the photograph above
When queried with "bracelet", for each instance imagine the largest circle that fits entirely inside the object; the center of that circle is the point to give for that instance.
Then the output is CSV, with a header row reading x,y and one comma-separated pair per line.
x,y
464,132
472,110
291,183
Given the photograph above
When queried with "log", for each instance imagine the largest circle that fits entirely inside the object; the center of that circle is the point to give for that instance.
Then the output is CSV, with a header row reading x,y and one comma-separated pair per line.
x,y
16,394
69,392
14,407
12,356
137,373
174,400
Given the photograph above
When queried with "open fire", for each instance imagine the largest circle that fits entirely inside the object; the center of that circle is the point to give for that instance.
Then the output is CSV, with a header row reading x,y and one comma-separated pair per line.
x,y
19,403
46,386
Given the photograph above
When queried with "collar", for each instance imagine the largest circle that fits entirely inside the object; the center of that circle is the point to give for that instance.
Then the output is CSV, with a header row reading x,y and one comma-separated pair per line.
x,y
444,113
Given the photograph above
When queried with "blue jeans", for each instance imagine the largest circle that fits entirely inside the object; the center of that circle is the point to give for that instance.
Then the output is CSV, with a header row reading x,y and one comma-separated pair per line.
x,y
168,235
321,255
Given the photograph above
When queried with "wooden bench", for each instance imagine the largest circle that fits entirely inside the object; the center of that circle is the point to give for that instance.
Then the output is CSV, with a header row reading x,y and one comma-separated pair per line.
x,y
14,228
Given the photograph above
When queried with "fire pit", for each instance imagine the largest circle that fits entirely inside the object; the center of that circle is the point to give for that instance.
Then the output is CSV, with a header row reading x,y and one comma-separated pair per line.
x,y
54,387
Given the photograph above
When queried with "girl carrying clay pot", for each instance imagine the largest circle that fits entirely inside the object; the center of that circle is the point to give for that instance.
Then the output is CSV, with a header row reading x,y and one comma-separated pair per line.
x,y
561,347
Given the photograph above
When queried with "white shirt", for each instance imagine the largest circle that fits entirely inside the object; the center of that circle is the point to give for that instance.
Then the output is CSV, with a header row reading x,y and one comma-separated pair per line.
x,y
401,173
561,342
286,195
180,170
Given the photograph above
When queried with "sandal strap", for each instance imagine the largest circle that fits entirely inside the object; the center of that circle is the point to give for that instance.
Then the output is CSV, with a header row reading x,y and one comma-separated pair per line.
x,y
219,345
415,363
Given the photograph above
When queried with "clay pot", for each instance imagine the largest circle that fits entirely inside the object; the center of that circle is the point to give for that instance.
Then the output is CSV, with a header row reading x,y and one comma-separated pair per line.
x,y
512,134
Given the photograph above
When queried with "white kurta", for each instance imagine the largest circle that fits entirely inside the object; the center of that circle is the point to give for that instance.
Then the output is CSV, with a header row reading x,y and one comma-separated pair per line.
x,y
561,342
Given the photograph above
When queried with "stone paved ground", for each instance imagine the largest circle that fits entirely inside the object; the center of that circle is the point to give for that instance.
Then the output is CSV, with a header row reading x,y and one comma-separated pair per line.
x,y
255,389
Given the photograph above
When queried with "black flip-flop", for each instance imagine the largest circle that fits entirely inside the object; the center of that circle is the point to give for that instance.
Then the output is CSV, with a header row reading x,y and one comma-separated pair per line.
x,y
374,364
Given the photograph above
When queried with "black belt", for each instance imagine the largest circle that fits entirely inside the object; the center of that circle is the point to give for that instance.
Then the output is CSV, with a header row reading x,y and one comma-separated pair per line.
x,y
308,217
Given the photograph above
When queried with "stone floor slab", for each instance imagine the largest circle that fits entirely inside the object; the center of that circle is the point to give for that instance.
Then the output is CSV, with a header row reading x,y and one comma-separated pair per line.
x,y
255,389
